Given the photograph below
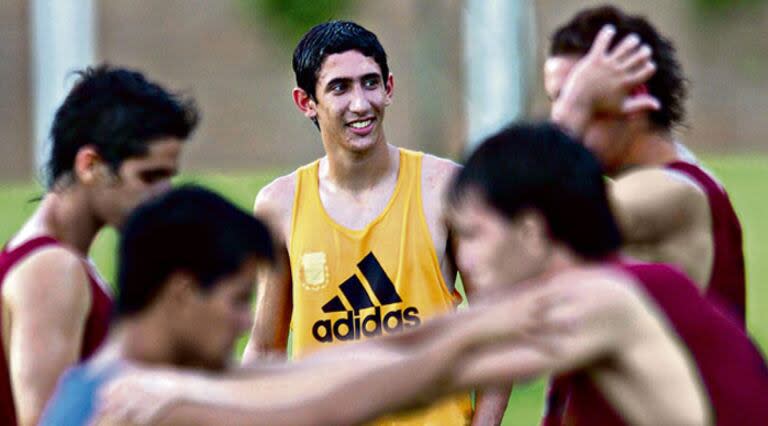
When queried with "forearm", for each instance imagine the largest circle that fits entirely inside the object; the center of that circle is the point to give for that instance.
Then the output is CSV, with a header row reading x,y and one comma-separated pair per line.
x,y
571,113
490,405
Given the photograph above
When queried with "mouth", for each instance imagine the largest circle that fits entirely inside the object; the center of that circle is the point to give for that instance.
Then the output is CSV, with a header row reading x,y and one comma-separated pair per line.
x,y
361,127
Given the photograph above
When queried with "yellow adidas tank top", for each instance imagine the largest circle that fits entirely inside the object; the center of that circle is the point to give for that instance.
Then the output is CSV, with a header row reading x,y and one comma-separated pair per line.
x,y
355,284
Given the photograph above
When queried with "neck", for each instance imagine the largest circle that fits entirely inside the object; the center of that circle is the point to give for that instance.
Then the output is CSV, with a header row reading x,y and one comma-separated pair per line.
x,y
562,259
65,215
652,148
357,171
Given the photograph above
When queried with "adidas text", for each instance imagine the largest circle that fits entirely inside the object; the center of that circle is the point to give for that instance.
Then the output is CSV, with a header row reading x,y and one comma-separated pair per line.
x,y
355,325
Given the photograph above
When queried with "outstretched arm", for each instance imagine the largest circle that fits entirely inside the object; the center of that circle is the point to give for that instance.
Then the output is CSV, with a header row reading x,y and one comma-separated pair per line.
x,y
587,318
346,384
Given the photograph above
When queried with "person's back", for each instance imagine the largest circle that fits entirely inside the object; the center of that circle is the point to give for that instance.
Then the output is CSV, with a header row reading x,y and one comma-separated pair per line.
x,y
732,370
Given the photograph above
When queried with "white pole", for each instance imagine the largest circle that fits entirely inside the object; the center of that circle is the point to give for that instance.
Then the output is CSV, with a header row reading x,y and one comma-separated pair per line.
x,y
63,40
500,57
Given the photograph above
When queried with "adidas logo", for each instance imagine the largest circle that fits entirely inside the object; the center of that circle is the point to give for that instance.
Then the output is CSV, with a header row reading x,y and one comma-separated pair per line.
x,y
355,326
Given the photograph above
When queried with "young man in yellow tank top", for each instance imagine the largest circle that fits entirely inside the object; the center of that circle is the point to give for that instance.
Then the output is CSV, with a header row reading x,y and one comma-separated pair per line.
x,y
366,250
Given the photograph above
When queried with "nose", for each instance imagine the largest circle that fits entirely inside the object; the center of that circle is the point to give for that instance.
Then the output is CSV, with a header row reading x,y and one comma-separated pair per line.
x,y
359,103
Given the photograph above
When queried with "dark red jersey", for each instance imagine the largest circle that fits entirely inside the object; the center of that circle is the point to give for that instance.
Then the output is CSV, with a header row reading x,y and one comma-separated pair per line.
x,y
727,282
731,367
95,328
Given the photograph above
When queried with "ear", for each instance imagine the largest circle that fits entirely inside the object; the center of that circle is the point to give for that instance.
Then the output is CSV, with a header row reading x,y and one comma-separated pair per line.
x,y
304,103
89,166
534,229
179,290
389,86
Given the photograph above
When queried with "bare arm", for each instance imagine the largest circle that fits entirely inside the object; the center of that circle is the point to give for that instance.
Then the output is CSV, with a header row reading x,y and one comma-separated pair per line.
x,y
272,316
664,217
48,301
586,321
340,385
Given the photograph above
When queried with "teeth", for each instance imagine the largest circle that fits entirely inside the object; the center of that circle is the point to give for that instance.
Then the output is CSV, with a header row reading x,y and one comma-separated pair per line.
x,y
361,124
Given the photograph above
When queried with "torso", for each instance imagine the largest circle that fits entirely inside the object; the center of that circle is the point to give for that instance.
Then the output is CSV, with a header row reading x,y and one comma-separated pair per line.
x,y
374,268
650,382
96,325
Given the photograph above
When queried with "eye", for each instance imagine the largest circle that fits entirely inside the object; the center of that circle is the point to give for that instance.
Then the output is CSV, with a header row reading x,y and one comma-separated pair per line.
x,y
153,176
338,87
371,83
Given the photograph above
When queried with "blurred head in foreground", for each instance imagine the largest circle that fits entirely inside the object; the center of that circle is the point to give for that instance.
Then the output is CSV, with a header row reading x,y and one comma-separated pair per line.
x,y
187,268
526,197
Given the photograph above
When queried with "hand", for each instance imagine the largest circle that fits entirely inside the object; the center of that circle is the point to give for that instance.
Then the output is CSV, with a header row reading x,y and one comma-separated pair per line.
x,y
602,81
138,396
511,316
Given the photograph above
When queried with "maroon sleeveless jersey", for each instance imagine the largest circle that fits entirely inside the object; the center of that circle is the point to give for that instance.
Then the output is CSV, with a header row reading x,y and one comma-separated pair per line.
x,y
727,283
731,367
95,328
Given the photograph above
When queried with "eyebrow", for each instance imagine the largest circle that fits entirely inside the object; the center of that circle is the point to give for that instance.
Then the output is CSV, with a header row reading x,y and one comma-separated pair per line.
x,y
347,80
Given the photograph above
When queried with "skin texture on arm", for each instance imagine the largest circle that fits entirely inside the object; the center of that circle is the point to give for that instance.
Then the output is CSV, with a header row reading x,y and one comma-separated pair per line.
x,y
272,314
665,217
573,329
47,299
341,385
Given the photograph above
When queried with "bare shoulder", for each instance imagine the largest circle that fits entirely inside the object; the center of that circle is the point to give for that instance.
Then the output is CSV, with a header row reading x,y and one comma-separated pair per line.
x,y
437,173
656,183
439,170
600,288
274,202
50,275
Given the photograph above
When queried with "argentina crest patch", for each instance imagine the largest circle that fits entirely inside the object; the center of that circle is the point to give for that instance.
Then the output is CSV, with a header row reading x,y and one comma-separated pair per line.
x,y
314,271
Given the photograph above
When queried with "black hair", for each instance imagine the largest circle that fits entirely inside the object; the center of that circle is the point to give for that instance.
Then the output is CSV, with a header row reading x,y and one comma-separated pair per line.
x,y
330,38
538,166
188,229
668,84
118,112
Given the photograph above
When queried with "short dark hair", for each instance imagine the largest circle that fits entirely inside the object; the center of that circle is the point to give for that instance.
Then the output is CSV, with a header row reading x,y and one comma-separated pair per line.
x,y
188,229
118,112
329,38
539,166
668,84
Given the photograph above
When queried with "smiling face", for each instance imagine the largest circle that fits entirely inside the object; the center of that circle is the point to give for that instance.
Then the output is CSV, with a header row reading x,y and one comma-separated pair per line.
x,y
607,136
351,97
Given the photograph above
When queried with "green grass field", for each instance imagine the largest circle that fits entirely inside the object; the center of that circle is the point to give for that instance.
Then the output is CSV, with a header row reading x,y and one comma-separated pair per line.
x,y
742,175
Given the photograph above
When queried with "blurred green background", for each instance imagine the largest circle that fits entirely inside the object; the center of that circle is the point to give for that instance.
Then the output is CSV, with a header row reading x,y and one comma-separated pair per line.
x,y
742,176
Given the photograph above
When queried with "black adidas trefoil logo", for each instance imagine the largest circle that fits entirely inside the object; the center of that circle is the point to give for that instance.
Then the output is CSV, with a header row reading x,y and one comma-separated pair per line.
x,y
354,326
